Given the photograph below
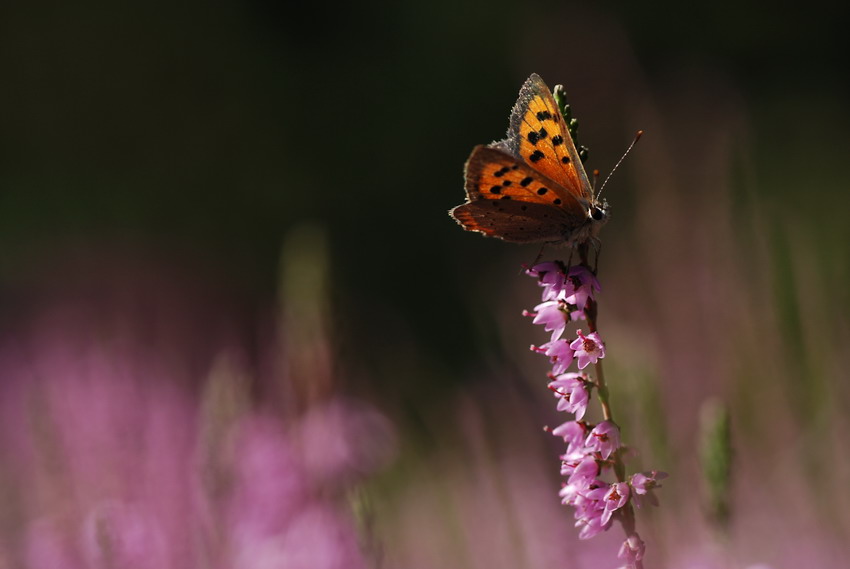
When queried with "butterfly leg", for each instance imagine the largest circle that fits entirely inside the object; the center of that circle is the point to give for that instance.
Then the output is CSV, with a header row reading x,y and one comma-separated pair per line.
x,y
538,257
597,246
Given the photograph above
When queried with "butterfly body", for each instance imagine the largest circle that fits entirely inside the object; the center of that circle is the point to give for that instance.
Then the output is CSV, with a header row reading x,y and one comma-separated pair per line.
x,y
531,187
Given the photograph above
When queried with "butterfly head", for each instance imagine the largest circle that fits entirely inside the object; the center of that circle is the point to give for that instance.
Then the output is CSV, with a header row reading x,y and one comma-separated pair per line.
x,y
599,212
597,215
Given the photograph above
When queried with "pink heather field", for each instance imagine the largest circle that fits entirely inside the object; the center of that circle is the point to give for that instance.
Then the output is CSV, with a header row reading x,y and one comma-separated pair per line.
x,y
238,329
141,426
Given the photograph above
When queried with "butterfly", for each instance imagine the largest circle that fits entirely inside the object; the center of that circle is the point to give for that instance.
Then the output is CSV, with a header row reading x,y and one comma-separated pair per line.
x,y
531,187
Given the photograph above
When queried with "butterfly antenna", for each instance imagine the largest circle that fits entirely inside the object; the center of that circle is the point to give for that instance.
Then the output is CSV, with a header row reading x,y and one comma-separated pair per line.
x,y
595,181
620,161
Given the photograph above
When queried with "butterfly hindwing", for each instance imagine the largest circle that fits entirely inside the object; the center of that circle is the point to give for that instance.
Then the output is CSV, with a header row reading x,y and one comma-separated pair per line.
x,y
513,220
539,136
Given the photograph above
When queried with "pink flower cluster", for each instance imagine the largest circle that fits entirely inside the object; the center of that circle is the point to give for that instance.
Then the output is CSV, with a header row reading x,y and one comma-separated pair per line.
x,y
591,449
565,297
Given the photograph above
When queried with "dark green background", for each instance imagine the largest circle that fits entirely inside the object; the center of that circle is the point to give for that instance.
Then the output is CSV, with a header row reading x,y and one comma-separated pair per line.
x,y
204,131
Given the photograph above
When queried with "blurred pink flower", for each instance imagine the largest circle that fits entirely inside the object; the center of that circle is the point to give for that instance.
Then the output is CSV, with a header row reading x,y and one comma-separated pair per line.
x,y
632,550
316,537
643,484
119,463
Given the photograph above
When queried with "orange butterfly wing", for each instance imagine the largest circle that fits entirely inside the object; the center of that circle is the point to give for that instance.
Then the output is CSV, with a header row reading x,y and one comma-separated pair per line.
x,y
531,186
493,174
539,136
509,199
513,221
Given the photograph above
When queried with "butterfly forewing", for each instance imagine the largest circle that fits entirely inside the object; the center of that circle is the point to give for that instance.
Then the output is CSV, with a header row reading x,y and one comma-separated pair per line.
x,y
539,136
492,174
510,200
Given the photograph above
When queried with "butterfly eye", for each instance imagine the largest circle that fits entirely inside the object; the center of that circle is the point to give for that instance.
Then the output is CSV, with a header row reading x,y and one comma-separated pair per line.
x,y
597,214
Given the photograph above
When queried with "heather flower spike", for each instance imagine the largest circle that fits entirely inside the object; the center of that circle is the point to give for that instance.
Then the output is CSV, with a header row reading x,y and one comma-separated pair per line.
x,y
594,452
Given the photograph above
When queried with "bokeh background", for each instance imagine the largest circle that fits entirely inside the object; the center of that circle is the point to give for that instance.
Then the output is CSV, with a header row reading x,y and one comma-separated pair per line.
x,y
238,329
